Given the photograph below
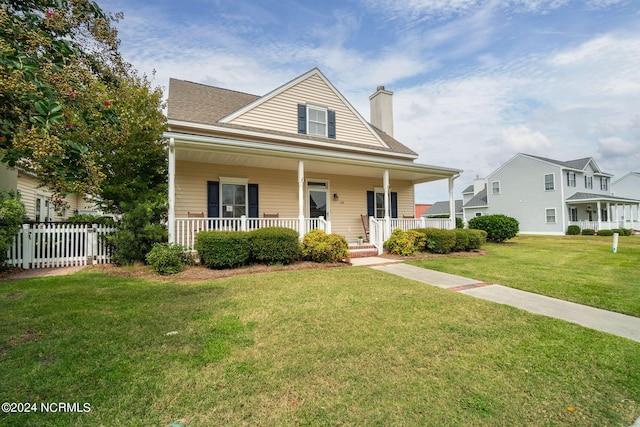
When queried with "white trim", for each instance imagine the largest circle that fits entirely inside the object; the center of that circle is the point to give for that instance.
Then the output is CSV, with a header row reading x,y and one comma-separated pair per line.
x,y
303,153
279,137
544,178
236,181
286,86
493,193
546,216
327,191
325,110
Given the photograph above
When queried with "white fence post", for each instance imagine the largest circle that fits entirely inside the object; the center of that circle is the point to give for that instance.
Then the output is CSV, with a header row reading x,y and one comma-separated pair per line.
x,y
26,248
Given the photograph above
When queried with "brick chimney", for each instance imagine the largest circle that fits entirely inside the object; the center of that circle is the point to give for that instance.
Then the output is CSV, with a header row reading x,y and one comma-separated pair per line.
x,y
382,110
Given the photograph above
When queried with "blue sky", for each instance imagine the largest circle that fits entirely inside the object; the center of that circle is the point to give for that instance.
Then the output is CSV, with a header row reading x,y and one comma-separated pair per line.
x,y
474,81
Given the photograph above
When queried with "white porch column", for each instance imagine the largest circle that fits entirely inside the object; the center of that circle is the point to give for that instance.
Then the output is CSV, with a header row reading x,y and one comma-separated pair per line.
x,y
387,207
452,205
301,229
172,191
599,208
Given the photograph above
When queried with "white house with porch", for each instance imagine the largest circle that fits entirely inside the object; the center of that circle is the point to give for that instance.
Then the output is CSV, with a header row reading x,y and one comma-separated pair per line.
x,y
546,196
300,157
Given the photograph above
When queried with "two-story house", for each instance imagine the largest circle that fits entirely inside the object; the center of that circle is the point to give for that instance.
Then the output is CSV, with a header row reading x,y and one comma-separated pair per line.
x,y
546,196
627,186
300,156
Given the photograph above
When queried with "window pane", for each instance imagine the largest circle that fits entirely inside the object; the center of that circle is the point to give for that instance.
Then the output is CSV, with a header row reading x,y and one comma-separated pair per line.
x,y
227,194
317,204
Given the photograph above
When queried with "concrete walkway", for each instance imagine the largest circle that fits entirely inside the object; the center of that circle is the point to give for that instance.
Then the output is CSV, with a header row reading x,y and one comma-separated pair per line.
x,y
602,320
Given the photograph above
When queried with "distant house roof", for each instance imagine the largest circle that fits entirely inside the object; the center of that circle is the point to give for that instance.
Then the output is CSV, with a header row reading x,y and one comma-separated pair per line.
x,y
442,208
469,189
479,200
579,164
583,197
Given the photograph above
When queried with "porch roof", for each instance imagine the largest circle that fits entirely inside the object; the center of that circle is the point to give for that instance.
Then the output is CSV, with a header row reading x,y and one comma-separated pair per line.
x,y
591,197
211,149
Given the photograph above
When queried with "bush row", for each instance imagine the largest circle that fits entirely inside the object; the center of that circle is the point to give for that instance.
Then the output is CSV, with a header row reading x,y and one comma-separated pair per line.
x,y
574,230
272,245
434,240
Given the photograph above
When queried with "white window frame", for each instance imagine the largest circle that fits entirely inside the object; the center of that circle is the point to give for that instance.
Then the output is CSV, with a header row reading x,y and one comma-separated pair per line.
x,y
553,181
571,179
588,182
573,214
323,110
376,207
234,181
326,189
555,217
604,183
495,190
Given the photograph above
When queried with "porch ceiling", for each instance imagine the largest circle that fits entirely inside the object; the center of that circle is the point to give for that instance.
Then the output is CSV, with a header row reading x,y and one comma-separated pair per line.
x,y
250,154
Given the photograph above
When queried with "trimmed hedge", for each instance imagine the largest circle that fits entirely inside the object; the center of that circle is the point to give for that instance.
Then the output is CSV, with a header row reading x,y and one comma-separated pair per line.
x,y
274,245
498,227
477,238
462,240
223,249
605,233
438,241
573,230
404,243
588,232
319,246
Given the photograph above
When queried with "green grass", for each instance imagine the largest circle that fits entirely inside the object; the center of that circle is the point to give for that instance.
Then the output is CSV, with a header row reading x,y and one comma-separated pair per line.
x,y
350,346
581,269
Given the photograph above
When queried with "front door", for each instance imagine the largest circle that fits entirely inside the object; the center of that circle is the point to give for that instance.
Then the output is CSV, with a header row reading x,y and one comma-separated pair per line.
x,y
318,197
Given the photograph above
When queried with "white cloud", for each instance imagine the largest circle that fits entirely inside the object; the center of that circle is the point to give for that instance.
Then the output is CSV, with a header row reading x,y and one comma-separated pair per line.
x,y
523,139
615,146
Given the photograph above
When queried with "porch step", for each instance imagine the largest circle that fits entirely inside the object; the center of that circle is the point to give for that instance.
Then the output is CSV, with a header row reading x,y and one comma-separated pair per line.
x,y
361,251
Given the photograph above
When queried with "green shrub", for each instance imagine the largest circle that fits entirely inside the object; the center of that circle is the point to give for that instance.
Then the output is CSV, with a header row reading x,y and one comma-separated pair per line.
x,y
274,245
141,227
462,240
573,230
319,246
623,231
438,241
498,227
605,233
11,213
223,249
477,238
168,258
588,232
402,242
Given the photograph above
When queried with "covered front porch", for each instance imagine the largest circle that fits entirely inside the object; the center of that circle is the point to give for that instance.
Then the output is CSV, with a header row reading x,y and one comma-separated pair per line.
x,y
225,184
598,212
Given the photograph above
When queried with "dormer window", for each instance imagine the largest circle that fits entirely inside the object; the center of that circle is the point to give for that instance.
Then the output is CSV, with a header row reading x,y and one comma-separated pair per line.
x,y
316,120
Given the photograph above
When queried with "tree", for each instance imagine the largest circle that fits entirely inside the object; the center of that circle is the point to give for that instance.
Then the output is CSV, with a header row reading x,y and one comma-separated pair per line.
x,y
11,213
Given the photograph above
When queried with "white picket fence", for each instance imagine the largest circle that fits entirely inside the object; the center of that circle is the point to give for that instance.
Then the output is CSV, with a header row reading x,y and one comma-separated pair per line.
x,y
59,245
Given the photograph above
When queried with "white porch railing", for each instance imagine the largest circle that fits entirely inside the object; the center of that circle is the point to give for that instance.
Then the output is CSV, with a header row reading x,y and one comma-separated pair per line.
x,y
187,228
605,225
380,231
59,245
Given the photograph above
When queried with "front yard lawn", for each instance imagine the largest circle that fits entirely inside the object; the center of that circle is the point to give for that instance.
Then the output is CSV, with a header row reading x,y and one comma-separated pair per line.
x,y
581,269
349,346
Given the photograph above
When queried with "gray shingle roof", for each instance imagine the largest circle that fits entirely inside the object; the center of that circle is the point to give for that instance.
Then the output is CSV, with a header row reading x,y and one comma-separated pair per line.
x,y
571,164
592,196
442,208
478,200
469,189
199,103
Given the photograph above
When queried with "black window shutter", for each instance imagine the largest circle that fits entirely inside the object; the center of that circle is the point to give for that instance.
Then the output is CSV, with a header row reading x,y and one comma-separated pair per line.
x,y
254,210
213,199
394,205
370,204
331,119
302,118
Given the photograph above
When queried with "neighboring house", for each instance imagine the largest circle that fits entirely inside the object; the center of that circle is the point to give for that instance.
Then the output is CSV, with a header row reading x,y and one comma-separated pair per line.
x,y
38,200
442,208
300,156
627,186
546,196
420,208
